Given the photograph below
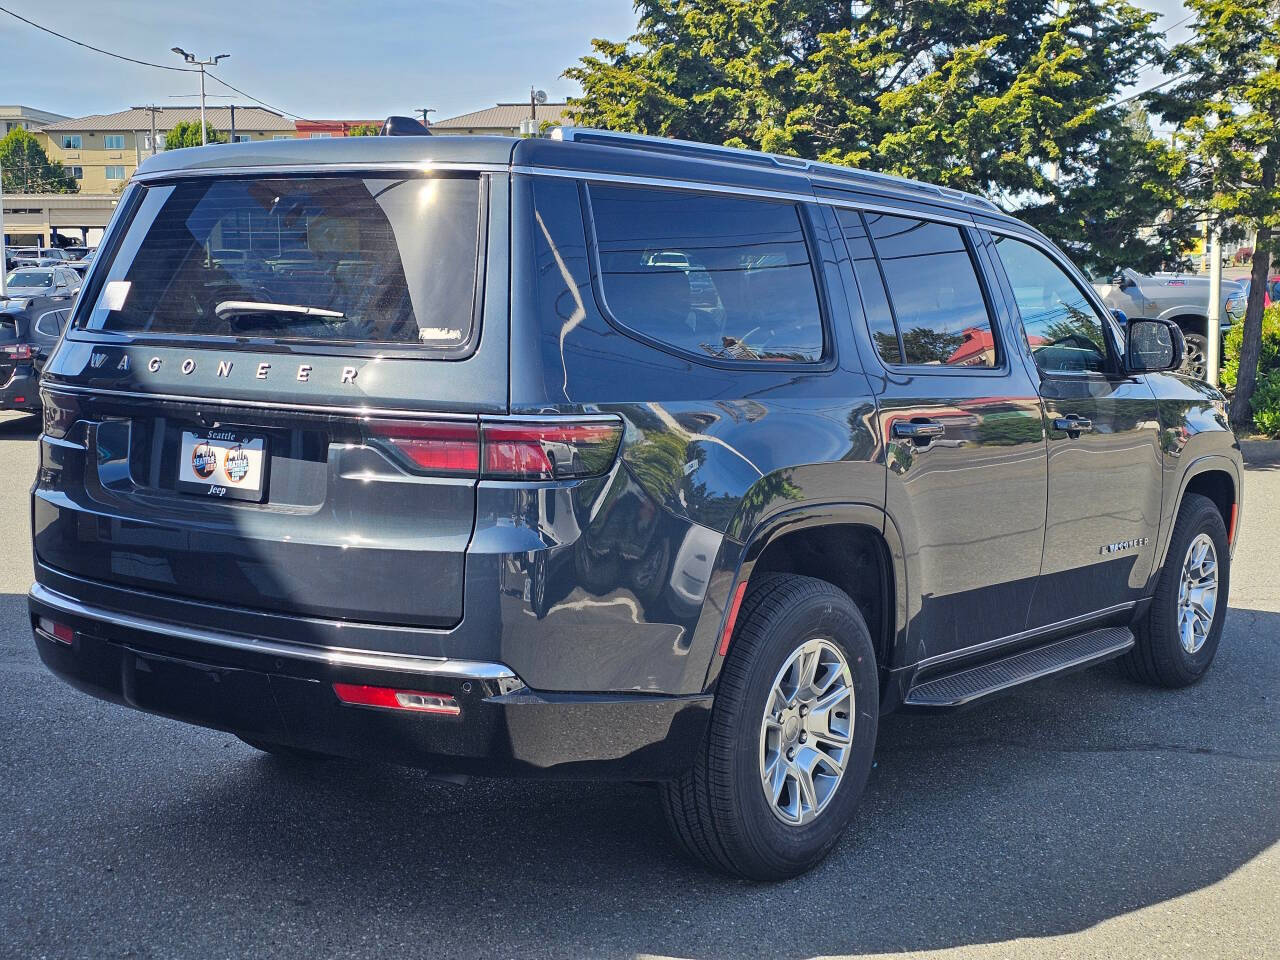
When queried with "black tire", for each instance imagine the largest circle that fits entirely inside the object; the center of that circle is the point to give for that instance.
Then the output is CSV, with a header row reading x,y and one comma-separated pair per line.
x,y
1159,658
718,811
283,751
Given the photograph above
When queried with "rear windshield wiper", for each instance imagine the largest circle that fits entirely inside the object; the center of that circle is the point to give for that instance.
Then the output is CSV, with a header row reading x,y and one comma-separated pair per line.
x,y
239,308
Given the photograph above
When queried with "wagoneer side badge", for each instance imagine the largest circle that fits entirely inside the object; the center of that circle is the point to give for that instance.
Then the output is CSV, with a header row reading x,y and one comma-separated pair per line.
x,y
1123,545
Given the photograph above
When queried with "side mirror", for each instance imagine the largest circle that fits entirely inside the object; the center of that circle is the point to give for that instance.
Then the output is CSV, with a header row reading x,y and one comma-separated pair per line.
x,y
1122,318
1153,346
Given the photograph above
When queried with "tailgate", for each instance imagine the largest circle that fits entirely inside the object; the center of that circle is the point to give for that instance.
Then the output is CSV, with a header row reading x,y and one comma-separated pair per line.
x,y
345,528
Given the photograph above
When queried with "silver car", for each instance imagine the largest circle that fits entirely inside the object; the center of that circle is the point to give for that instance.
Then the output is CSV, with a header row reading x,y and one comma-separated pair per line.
x,y
1182,298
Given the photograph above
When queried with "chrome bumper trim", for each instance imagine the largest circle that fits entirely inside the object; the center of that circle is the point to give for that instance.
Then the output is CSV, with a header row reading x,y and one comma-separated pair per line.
x,y
336,656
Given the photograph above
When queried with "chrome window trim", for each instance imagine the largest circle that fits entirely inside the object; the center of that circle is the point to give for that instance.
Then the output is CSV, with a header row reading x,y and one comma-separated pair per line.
x,y
334,656
1049,628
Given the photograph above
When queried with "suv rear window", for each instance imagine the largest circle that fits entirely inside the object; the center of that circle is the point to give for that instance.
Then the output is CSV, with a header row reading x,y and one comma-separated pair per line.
x,y
337,259
716,276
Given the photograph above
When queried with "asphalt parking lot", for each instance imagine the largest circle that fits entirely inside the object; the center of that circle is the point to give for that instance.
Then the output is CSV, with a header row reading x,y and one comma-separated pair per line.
x,y
1084,816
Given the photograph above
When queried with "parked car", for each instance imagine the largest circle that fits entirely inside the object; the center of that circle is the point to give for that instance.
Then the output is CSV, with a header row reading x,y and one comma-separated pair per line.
x,y
54,283
29,329
1177,297
609,456
82,265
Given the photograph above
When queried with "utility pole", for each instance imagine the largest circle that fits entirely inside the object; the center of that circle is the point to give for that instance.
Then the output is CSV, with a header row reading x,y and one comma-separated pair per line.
x,y
233,123
151,108
211,62
424,111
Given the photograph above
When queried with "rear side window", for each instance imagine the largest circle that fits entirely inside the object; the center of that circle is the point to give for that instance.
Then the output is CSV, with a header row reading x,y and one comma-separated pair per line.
x,y
331,259
723,277
50,324
937,300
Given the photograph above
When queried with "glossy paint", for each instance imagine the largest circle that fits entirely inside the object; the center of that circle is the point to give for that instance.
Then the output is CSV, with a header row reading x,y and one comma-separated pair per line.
x,y
617,585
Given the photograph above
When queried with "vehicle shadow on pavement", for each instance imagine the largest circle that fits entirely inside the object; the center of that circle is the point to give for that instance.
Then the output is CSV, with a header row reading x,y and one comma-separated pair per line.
x,y
19,426
1080,799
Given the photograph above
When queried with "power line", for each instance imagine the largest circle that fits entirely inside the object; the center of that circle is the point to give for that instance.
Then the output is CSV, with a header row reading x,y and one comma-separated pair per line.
x,y
147,63
89,46
249,96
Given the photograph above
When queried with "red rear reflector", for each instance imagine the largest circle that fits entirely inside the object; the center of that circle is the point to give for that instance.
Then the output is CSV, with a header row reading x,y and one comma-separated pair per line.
x,y
21,352
444,448
1231,526
390,698
19,399
59,631
549,451
732,618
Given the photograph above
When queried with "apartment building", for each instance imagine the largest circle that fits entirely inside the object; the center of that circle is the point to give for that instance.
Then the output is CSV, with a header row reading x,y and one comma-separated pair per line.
x,y
17,116
103,151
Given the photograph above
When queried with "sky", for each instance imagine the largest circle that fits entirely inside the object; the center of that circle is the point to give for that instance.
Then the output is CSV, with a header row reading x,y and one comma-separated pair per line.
x,y
322,59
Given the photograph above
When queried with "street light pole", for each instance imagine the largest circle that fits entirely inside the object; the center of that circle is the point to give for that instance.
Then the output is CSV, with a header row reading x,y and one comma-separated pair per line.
x,y
211,62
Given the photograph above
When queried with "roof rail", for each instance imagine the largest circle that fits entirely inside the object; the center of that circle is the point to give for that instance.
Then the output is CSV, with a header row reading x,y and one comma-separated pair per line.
x,y
831,171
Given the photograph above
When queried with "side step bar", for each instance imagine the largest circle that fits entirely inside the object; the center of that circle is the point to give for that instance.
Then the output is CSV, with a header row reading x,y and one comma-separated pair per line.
x,y
955,689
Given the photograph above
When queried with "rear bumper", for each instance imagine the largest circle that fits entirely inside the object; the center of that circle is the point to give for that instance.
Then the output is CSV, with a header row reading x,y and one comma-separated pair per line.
x,y
284,693
22,391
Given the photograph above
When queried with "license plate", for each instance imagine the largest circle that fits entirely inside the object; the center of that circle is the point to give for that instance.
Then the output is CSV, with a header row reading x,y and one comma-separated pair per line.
x,y
223,463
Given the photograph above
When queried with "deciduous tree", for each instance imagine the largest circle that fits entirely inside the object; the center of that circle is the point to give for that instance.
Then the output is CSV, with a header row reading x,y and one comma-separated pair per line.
x,y
28,169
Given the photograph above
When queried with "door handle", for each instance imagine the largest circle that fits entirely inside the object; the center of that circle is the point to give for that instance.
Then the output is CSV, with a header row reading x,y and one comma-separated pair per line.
x,y
918,429
1073,424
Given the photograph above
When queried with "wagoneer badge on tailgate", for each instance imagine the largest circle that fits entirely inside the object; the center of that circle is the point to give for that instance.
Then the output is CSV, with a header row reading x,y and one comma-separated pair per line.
x,y
224,367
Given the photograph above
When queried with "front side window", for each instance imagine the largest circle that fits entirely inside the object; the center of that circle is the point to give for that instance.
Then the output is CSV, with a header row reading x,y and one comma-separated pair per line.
x,y
337,259
1063,330
115,172
113,141
722,277
71,141
933,286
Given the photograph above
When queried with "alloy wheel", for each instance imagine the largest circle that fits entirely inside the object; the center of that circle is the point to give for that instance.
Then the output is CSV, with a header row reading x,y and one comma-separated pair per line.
x,y
806,732
1197,593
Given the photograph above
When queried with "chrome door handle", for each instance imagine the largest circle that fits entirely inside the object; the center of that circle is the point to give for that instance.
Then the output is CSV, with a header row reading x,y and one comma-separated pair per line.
x,y
918,429
1073,424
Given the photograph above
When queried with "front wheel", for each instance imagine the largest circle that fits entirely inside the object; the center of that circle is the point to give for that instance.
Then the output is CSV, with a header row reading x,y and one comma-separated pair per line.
x,y
791,737
1178,635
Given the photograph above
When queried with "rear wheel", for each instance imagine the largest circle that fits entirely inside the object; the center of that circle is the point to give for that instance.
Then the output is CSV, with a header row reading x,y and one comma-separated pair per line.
x,y
1178,636
791,738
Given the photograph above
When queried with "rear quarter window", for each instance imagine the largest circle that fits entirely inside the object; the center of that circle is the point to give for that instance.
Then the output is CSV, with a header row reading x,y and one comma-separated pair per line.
x,y
720,277
350,259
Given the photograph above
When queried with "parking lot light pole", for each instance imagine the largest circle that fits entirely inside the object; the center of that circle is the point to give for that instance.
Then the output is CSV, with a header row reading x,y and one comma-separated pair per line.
x,y
211,62
1213,331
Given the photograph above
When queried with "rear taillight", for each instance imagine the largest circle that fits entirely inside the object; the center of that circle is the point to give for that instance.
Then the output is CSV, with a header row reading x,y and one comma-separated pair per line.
x,y
449,449
549,450
389,698
502,450
19,351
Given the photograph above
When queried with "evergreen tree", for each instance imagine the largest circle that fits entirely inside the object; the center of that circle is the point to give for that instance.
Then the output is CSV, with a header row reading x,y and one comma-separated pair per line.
x,y
1227,103
1005,97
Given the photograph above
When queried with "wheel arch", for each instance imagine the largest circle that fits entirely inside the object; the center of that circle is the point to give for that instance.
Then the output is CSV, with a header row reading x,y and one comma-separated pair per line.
x,y
814,541
1217,477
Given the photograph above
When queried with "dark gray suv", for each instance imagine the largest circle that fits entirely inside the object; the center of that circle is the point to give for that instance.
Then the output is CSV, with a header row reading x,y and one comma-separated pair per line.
x,y
606,456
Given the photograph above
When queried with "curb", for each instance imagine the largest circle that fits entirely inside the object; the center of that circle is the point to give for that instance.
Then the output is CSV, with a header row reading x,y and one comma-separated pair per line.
x,y
1260,451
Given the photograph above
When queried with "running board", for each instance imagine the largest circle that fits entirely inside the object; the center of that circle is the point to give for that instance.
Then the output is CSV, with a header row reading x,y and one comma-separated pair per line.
x,y
963,686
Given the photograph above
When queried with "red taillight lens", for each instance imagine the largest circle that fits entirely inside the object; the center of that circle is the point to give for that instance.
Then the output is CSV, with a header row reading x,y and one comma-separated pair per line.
x,y
525,450
550,450
452,449
21,351
389,698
